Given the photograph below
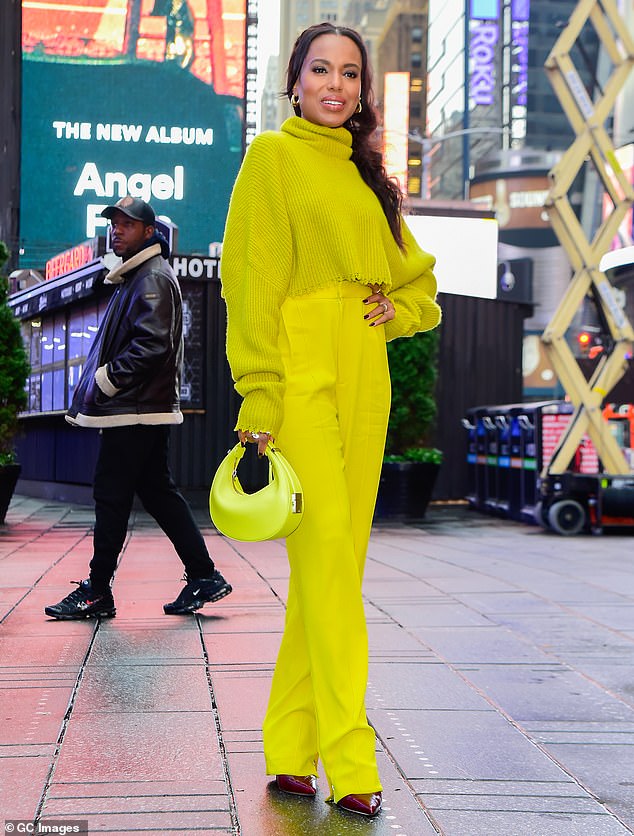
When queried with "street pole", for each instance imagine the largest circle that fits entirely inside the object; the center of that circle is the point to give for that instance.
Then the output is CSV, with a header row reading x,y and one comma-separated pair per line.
x,y
426,144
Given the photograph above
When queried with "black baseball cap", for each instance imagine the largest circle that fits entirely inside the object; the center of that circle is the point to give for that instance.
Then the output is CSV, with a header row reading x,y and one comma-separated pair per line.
x,y
134,208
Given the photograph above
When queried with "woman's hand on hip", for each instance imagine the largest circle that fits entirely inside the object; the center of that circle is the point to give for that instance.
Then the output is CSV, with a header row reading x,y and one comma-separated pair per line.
x,y
384,310
261,439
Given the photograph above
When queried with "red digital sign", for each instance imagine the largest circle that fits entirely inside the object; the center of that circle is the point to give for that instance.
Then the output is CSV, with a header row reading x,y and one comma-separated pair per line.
x,y
586,459
69,260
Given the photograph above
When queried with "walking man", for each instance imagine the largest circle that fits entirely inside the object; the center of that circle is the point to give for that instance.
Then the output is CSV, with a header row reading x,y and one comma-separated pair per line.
x,y
129,388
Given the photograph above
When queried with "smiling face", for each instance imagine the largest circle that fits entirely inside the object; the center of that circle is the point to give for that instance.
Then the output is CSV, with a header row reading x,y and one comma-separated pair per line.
x,y
329,83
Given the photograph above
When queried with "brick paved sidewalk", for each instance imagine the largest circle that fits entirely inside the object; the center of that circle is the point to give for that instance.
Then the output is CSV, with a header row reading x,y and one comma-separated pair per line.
x,y
500,684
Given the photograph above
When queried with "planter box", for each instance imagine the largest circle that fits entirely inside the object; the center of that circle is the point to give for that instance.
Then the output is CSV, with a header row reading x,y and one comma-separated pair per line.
x,y
8,478
405,490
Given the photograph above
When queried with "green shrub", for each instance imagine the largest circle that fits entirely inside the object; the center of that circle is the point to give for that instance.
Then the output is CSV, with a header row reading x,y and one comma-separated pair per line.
x,y
414,371
14,369
430,455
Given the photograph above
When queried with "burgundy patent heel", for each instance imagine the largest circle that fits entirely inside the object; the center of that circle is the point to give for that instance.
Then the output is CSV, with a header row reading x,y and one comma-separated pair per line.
x,y
365,804
297,784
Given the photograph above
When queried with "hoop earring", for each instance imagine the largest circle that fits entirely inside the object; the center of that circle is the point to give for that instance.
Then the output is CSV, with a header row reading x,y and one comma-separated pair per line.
x,y
295,100
359,106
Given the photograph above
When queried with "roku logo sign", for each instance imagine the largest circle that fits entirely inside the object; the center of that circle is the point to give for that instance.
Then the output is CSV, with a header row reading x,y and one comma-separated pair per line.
x,y
482,44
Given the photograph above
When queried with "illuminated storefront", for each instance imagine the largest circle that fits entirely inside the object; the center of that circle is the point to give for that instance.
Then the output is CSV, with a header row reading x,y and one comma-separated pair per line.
x,y
60,318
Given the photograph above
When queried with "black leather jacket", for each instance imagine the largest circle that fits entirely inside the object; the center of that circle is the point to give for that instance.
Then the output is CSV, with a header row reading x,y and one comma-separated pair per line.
x,y
133,369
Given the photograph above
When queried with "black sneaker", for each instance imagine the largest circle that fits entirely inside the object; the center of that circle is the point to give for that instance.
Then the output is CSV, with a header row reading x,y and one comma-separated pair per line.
x,y
196,593
83,603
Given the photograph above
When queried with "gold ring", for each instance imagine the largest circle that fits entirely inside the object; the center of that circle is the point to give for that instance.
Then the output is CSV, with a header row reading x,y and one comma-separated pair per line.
x,y
384,306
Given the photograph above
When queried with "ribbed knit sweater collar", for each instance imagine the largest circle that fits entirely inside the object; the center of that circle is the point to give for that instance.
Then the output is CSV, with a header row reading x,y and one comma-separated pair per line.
x,y
336,142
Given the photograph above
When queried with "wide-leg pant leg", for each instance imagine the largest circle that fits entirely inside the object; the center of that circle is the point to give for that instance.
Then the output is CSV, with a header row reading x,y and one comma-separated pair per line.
x,y
335,419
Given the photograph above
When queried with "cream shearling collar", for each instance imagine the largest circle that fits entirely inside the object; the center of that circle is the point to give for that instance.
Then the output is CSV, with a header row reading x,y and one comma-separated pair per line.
x,y
117,275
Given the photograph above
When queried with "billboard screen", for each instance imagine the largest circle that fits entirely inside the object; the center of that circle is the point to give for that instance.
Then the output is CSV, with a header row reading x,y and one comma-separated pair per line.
x,y
129,96
465,250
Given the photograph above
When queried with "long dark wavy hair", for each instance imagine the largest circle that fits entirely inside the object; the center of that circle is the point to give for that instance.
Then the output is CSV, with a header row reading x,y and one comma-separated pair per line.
x,y
365,149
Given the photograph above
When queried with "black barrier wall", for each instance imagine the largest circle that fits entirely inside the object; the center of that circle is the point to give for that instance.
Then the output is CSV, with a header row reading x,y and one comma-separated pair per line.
x,y
480,362
58,460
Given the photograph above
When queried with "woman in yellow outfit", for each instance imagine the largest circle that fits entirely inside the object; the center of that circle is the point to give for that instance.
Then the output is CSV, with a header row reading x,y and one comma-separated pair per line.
x,y
319,270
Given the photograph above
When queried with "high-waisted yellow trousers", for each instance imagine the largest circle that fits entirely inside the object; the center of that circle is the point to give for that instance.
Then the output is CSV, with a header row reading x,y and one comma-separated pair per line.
x,y
336,408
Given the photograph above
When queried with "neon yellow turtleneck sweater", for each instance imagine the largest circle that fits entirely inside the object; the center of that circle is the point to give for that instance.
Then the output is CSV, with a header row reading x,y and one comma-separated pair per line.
x,y
301,218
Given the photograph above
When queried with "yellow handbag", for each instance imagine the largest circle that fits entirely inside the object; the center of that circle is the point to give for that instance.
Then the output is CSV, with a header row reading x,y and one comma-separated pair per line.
x,y
274,511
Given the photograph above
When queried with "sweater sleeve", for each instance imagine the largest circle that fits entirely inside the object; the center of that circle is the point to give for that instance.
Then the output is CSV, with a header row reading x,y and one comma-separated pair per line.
x,y
413,290
255,270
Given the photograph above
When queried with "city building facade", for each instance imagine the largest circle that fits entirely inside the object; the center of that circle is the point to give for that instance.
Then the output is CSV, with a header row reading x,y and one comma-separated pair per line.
x,y
271,96
486,86
401,62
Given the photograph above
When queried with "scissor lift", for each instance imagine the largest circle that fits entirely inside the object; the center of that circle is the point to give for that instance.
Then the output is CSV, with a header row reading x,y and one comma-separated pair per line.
x,y
569,502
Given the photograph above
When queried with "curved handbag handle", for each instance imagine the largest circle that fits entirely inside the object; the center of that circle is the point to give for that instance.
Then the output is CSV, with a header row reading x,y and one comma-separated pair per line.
x,y
272,512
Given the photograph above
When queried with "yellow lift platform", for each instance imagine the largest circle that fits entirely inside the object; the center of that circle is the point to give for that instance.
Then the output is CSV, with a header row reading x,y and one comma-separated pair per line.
x,y
571,502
